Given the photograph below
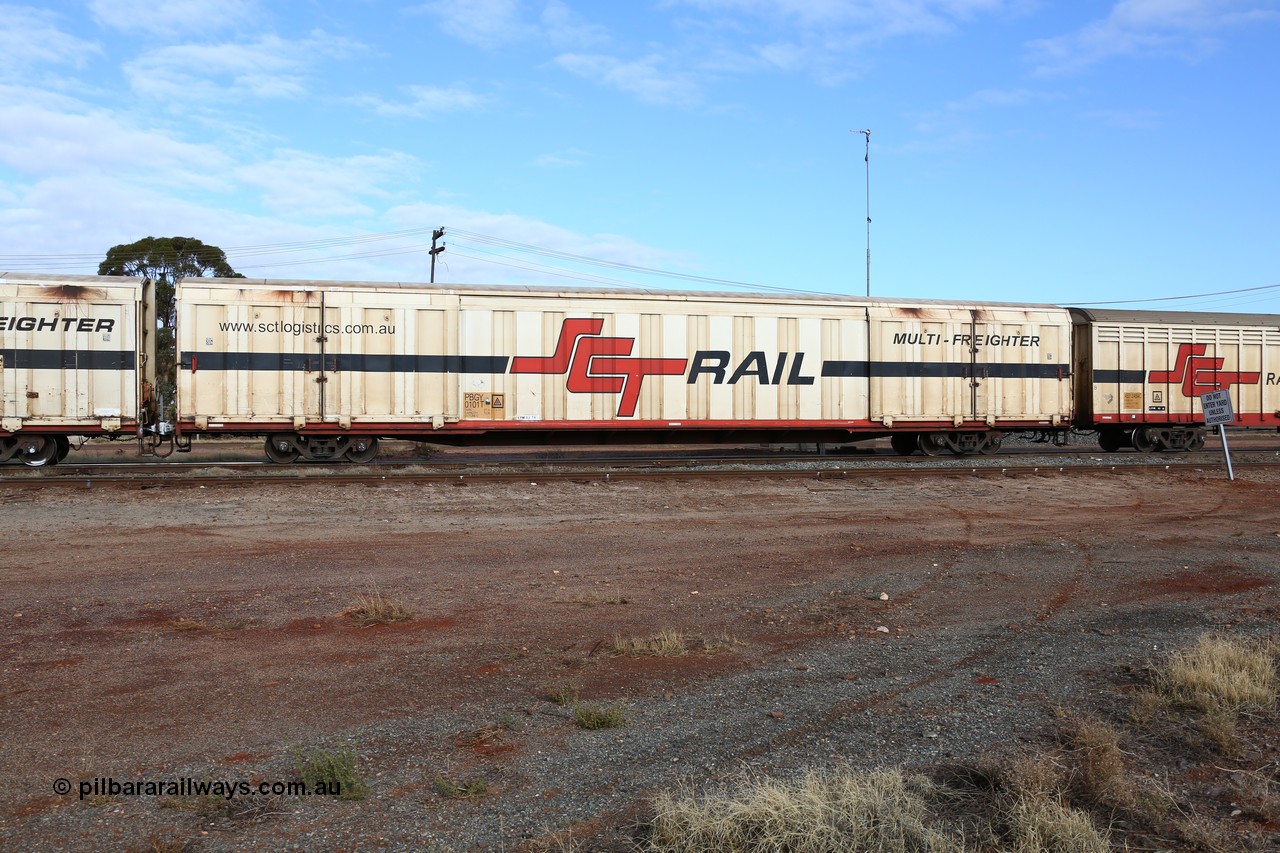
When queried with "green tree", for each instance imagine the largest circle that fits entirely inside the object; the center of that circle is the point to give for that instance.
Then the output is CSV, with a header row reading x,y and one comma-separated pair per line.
x,y
166,260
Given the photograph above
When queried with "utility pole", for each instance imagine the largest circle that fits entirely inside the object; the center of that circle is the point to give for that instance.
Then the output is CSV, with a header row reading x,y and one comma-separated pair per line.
x,y
439,233
866,158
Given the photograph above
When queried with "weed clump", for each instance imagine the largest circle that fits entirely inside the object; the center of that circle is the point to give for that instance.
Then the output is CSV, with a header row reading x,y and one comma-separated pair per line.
x,y
331,773
461,790
1220,676
374,608
593,717
564,694
662,644
881,811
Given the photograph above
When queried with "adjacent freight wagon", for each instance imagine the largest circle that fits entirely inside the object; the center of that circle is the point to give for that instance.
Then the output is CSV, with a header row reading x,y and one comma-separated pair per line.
x,y
324,370
1141,374
74,361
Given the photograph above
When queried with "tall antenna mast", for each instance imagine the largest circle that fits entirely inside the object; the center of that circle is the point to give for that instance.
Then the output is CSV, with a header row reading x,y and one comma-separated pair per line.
x,y
866,158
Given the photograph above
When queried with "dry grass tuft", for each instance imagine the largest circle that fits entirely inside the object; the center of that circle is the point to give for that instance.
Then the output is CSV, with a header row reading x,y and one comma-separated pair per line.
x,y
842,813
468,790
1029,812
1098,774
1042,825
564,693
1220,676
599,717
663,644
374,608
721,643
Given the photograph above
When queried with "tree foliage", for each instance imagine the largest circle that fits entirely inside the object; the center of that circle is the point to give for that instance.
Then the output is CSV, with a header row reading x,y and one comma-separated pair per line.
x,y
166,260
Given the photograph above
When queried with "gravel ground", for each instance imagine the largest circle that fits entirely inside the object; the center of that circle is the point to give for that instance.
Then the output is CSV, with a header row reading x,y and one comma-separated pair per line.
x,y
199,632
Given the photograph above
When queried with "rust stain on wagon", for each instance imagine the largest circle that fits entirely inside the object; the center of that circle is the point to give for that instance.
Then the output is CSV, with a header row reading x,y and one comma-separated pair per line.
x,y
283,297
75,293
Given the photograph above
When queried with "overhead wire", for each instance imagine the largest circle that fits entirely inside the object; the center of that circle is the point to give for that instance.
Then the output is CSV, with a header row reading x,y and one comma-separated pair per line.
x,y
490,248
1190,296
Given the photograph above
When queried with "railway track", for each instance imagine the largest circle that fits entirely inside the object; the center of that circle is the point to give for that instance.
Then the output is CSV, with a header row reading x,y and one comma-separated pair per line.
x,y
460,470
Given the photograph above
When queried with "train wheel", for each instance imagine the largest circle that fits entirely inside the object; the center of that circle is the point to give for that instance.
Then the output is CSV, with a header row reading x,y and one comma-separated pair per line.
x,y
64,447
1111,440
932,443
992,445
362,450
904,443
1146,440
38,452
281,449
1195,441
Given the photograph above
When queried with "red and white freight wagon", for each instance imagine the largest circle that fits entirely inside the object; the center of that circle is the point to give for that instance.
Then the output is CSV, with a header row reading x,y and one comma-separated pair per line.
x,y
325,369
1141,374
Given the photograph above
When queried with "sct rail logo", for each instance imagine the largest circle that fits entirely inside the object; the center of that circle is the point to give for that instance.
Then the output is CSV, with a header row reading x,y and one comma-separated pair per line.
x,y
1198,373
599,365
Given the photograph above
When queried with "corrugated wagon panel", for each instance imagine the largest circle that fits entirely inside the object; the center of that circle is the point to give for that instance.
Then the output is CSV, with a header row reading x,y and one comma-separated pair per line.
x,y
958,364
69,352
1156,372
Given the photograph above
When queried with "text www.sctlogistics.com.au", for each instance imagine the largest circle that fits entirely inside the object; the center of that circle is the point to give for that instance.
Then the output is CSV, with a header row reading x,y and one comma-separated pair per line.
x,y
227,789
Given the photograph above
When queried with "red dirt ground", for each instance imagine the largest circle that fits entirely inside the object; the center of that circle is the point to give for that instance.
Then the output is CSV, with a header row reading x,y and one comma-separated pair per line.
x,y
201,631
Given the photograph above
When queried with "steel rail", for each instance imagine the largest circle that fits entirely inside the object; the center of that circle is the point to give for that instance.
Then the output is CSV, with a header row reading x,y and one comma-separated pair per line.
x,y
318,474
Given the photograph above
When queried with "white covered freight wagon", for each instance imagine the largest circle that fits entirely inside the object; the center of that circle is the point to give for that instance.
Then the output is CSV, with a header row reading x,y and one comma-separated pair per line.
x,y
325,369
73,361
1141,373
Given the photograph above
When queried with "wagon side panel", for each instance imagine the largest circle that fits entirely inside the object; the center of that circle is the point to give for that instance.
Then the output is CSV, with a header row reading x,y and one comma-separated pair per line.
x,y
69,351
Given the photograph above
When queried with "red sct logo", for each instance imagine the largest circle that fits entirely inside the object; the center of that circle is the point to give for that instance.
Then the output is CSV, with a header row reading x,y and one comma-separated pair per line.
x,y
598,365
1199,374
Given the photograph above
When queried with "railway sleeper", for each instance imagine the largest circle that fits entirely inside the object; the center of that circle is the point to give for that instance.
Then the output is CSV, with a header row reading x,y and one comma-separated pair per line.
x,y
283,448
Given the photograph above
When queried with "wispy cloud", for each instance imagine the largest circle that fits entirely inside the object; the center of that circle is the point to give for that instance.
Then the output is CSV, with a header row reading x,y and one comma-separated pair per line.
x,y
960,122
986,99
426,101
483,23
647,78
1186,29
568,158
491,24
879,17
270,67
75,140
563,27
301,184
468,261
30,36
171,17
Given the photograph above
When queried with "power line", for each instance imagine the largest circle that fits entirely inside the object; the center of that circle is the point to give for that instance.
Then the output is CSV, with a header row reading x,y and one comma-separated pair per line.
x,y
1191,296
494,247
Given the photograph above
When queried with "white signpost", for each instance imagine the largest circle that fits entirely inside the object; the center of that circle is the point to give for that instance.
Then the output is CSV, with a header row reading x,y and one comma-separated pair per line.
x,y
1219,412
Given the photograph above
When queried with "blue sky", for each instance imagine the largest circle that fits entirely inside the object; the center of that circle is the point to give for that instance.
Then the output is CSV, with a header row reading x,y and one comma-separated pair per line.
x,y
1021,150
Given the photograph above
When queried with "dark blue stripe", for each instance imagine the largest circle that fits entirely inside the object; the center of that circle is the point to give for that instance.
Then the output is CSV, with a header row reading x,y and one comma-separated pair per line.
x,y
942,370
68,359
285,362
374,363
1111,377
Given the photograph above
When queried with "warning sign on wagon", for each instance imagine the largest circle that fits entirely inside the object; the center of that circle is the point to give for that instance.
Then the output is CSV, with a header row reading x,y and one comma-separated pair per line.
x,y
1217,407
